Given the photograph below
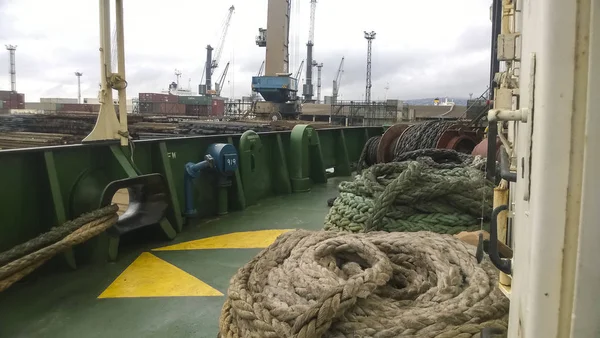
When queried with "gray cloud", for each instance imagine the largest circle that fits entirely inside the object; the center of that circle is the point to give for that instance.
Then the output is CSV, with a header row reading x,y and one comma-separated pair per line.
x,y
455,68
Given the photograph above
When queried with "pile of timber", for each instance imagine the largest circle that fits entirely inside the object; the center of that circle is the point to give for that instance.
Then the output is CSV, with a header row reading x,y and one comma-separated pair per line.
x,y
15,140
32,130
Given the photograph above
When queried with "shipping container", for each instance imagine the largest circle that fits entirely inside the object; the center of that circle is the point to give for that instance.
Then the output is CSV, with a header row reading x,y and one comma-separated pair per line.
x,y
218,108
196,110
76,107
195,100
155,97
5,95
57,100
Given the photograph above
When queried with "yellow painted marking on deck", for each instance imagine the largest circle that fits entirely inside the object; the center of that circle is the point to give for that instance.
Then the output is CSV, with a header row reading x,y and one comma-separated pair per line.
x,y
150,276
237,240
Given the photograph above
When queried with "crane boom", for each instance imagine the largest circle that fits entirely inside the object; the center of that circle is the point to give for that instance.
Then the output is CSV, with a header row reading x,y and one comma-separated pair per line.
x,y
219,86
261,69
219,50
299,70
337,81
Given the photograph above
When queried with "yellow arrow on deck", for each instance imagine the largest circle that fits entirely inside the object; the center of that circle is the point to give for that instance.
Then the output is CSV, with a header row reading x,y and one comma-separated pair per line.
x,y
237,240
150,276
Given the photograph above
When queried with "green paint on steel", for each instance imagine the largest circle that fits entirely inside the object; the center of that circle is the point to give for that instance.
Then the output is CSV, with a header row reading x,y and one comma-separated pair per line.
x,y
57,200
163,166
306,158
31,193
66,304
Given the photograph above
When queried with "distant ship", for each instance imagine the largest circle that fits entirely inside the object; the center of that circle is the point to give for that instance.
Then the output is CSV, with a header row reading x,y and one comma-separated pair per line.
x,y
436,102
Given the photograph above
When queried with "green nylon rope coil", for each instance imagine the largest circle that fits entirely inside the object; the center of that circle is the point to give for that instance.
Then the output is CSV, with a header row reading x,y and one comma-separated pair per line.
x,y
413,196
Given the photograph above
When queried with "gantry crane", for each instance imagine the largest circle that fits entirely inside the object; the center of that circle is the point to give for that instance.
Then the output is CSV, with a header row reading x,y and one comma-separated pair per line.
x,y
213,63
277,86
337,81
307,89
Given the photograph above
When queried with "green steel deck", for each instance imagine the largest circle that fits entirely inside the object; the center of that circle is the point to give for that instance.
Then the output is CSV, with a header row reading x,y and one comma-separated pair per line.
x,y
65,303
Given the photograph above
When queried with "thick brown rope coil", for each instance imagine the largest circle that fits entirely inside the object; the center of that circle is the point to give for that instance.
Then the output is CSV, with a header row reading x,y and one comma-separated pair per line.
x,y
81,230
378,284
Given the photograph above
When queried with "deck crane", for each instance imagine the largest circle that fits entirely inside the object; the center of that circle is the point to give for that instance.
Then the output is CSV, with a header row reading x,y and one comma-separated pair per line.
x,y
337,81
213,63
219,84
307,89
277,86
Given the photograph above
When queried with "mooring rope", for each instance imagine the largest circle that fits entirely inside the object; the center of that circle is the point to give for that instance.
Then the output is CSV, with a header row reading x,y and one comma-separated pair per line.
x,y
416,137
421,136
368,156
431,193
328,284
23,259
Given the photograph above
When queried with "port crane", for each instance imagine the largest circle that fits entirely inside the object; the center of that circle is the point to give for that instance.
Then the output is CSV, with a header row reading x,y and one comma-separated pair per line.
x,y
337,81
277,86
213,63
307,89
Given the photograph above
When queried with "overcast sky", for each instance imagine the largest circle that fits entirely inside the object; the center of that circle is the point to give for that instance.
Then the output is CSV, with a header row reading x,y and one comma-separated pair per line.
x,y
423,48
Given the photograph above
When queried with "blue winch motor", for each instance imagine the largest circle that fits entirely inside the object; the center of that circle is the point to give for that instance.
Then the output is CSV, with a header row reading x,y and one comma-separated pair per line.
x,y
225,158
220,157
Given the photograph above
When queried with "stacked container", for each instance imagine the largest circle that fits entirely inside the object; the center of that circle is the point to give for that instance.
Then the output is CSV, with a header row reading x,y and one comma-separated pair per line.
x,y
160,104
12,100
218,108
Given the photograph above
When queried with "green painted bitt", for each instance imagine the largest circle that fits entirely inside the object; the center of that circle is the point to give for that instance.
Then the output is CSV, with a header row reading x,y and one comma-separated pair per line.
x,y
306,159
252,168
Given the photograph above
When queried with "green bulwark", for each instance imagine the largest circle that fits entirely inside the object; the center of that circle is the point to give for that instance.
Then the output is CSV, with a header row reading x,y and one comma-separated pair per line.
x,y
44,187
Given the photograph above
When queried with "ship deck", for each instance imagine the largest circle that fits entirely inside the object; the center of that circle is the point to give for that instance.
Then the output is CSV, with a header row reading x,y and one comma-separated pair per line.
x,y
165,289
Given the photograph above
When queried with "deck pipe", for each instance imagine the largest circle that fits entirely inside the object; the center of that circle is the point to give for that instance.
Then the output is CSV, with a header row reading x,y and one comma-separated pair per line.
x,y
494,68
503,265
192,171
505,172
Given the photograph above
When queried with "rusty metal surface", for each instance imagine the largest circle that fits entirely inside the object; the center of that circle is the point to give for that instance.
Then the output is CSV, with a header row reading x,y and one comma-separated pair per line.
x,y
387,143
460,138
481,148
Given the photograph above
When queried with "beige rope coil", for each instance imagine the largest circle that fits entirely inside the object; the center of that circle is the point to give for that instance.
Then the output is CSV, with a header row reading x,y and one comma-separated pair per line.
x,y
378,284
95,223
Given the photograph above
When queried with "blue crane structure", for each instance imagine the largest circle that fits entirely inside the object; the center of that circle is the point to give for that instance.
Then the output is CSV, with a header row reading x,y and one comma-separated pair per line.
x,y
277,86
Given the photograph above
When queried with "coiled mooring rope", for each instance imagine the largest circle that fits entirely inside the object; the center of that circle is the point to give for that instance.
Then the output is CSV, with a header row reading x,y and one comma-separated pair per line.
x,y
423,194
421,136
368,156
23,259
328,284
416,137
